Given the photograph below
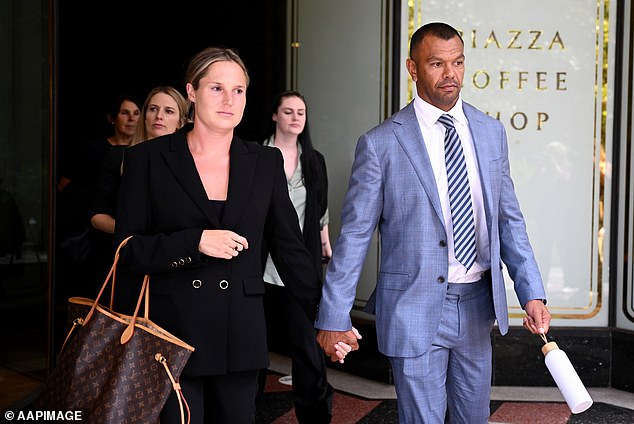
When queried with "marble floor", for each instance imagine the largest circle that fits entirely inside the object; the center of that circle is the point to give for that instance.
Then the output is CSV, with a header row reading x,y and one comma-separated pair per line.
x,y
358,400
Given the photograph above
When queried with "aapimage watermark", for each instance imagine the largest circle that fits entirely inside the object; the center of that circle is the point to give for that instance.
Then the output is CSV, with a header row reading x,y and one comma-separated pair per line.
x,y
43,416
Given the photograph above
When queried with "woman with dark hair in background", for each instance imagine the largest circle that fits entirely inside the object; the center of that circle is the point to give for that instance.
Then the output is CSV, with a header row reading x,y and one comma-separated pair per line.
x,y
79,261
307,184
84,249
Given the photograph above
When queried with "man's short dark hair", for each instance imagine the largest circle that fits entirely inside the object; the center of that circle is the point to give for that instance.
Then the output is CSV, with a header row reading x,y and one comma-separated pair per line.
x,y
437,29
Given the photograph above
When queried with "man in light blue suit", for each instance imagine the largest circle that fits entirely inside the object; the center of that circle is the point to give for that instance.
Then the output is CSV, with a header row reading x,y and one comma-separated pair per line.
x,y
440,287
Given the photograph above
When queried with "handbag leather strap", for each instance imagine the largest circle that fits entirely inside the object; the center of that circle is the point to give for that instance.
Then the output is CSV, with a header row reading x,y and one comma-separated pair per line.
x,y
177,388
129,331
111,274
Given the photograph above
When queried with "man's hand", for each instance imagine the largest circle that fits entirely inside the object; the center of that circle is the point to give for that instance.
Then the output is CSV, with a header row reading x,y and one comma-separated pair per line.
x,y
537,320
337,344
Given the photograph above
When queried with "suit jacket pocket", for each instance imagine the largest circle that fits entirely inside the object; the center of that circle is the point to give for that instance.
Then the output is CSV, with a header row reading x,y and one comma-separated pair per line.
x,y
253,286
393,281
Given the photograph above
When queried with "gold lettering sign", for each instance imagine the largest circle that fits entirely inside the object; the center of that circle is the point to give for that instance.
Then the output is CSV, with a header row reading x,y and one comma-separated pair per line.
x,y
532,39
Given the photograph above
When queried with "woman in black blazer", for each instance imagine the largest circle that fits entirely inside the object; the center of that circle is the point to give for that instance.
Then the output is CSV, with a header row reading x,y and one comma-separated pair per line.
x,y
200,204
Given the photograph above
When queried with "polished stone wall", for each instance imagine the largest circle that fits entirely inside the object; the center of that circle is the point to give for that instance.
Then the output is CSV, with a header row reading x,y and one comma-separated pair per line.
x,y
602,358
519,361
623,360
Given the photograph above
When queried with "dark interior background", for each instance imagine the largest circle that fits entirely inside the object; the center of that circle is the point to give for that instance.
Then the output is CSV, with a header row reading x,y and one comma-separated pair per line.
x,y
106,48
111,47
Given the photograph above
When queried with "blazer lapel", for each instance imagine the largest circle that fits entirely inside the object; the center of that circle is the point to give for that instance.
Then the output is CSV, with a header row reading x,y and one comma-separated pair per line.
x,y
479,134
410,138
241,174
181,163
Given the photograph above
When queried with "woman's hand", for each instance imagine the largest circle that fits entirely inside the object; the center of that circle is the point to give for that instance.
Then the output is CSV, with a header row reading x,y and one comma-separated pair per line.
x,y
326,249
222,244
337,344
326,252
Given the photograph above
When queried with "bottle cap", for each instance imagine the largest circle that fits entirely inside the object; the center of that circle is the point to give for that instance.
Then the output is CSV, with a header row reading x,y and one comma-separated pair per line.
x,y
548,347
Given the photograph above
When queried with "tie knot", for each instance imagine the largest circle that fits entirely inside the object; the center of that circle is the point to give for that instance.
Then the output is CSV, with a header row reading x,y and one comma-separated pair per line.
x,y
446,120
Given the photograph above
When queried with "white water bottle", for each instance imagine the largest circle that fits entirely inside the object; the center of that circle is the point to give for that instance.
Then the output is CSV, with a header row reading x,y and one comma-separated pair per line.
x,y
567,379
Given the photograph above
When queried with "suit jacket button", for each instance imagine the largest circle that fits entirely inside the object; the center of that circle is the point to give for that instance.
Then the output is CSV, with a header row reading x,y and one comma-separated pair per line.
x,y
188,259
181,261
174,264
224,285
197,284
441,279
442,243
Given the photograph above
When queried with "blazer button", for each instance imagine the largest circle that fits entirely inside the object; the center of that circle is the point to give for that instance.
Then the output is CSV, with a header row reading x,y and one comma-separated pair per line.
x,y
197,284
174,264
441,279
442,243
181,262
224,285
188,259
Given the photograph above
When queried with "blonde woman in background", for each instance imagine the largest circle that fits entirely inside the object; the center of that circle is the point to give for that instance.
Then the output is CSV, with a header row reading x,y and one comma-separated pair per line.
x,y
164,111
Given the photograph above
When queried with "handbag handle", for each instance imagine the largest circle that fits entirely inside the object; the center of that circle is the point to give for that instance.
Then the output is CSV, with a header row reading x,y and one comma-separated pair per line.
x,y
114,279
145,290
111,273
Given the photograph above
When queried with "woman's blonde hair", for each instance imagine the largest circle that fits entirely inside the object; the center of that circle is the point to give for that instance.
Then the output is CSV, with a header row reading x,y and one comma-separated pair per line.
x,y
140,135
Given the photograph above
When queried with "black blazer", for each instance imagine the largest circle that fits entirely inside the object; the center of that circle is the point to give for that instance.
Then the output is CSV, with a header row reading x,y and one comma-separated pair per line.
x,y
213,304
316,204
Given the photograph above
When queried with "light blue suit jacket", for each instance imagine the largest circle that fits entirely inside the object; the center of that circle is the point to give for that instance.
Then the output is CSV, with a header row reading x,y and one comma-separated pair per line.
x,y
392,185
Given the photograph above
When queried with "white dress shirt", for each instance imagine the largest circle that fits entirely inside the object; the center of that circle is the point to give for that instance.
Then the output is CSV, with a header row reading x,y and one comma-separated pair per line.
x,y
433,133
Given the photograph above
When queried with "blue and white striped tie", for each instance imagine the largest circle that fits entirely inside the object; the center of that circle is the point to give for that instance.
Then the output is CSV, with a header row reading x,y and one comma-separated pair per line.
x,y
459,196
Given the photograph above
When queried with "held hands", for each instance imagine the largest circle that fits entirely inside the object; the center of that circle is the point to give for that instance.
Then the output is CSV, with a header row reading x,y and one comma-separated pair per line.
x,y
222,244
337,344
537,320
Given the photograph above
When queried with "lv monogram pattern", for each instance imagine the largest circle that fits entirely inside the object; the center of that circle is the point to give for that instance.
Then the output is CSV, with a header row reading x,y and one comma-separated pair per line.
x,y
459,195
110,382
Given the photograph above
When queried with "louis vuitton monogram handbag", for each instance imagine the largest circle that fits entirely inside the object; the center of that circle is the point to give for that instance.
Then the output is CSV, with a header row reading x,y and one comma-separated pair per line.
x,y
115,368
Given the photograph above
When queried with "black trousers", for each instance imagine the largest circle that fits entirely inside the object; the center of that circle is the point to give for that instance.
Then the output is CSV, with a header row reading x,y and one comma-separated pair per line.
x,y
218,399
290,332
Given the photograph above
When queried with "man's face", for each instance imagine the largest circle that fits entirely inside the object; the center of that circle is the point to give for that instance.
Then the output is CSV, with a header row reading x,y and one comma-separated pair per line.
x,y
437,68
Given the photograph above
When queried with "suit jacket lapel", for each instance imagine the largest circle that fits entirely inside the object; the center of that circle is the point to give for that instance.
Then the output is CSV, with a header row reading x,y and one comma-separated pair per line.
x,y
181,163
410,138
480,136
241,174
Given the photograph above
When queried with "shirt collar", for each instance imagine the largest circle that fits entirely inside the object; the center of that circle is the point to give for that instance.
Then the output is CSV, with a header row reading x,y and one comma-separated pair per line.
x,y
428,114
271,142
